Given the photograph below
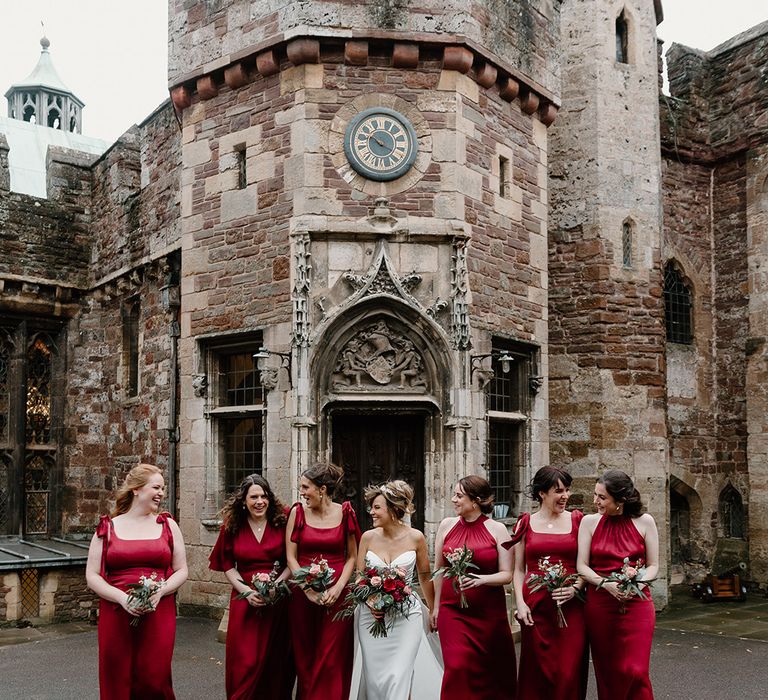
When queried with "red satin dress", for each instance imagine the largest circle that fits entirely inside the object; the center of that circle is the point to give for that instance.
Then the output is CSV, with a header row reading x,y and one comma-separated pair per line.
x,y
135,662
553,660
620,643
477,644
323,647
259,658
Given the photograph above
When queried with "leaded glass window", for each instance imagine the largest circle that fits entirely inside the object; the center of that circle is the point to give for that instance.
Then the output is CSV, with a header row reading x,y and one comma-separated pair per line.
x,y
509,405
39,393
626,244
678,307
236,409
731,507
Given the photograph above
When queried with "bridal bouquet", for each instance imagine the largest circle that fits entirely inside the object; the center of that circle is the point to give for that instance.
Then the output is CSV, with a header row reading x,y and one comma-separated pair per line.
x,y
384,589
553,576
266,586
139,594
318,576
629,578
459,563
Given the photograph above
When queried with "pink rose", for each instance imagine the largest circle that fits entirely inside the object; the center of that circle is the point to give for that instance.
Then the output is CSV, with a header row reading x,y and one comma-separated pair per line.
x,y
630,572
264,578
314,569
376,581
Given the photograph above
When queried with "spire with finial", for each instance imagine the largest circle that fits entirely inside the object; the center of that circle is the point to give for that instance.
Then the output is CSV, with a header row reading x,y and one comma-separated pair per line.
x,y
42,97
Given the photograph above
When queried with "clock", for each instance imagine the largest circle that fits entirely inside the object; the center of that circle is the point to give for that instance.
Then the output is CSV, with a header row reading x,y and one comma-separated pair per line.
x,y
380,144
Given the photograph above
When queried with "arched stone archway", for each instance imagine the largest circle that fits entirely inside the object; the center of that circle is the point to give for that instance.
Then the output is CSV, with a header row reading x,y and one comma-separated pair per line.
x,y
382,375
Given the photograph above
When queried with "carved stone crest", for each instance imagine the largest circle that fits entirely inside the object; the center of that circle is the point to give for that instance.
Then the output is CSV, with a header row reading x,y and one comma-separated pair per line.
x,y
378,356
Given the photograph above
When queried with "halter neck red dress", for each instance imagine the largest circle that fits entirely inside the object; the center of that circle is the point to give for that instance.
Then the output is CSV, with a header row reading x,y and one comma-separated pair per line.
x,y
553,660
620,642
135,662
323,647
259,659
477,644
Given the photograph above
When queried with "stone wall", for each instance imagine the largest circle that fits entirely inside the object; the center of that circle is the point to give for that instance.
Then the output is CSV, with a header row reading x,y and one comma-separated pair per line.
x,y
712,137
210,35
607,368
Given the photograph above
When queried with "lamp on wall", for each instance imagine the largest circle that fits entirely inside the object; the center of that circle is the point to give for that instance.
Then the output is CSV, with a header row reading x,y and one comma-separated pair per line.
x,y
285,361
505,358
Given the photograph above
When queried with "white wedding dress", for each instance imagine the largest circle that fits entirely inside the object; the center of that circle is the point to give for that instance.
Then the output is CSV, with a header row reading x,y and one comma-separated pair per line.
x,y
404,664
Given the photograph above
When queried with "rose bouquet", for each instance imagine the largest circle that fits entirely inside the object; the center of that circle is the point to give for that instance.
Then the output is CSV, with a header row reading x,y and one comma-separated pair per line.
x,y
317,576
629,578
553,576
384,589
266,586
459,563
139,594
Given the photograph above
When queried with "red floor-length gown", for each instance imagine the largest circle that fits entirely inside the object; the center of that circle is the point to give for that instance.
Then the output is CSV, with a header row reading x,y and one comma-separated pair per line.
x,y
477,644
259,658
620,643
553,660
323,647
135,662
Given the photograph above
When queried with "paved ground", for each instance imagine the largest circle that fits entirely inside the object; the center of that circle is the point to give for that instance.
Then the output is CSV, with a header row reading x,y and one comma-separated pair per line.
x,y
701,652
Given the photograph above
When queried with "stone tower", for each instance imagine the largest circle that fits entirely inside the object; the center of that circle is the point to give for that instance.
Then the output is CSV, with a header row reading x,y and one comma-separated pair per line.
x,y
42,98
364,257
607,375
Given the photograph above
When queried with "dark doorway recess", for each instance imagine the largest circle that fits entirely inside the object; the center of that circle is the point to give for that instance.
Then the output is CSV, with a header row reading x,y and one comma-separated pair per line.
x,y
377,447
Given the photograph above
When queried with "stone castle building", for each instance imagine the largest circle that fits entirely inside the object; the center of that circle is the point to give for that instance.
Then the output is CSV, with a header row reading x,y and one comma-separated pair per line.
x,y
420,241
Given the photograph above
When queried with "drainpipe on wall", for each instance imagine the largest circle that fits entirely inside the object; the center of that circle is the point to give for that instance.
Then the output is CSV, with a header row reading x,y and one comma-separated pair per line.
x,y
170,295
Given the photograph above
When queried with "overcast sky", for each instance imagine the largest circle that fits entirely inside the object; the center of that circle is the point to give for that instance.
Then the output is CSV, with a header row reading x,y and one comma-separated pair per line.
x,y
113,53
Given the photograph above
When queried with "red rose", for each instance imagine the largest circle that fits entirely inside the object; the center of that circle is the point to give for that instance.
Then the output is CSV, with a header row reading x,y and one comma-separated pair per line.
x,y
389,585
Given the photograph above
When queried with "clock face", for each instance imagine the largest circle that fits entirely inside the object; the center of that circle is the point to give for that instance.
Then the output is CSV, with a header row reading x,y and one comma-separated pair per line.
x,y
380,144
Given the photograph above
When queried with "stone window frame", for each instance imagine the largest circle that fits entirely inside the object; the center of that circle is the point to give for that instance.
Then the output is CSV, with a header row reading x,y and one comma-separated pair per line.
x,y
627,243
132,342
512,422
623,37
732,513
213,350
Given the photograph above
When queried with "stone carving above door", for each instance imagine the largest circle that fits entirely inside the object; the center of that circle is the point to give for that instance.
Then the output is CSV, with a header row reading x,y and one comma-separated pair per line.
x,y
378,357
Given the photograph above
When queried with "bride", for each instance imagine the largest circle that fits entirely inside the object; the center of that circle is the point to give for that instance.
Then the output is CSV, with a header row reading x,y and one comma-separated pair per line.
x,y
401,665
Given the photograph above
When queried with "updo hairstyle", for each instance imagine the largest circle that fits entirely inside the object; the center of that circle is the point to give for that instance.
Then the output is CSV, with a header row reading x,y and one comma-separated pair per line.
x,y
135,479
397,494
545,478
325,474
478,490
620,487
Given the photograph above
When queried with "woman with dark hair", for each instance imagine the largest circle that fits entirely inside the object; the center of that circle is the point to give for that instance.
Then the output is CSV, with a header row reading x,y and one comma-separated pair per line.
x,y
323,647
136,541
251,542
619,624
553,659
477,644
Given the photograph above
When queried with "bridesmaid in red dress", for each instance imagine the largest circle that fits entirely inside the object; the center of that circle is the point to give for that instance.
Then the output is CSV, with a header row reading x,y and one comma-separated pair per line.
x,y
553,659
135,662
477,644
251,541
323,647
619,627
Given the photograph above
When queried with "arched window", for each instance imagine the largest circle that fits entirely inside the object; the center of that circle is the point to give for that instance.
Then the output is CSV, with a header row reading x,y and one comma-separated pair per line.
x,y
622,38
626,243
731,510
677,306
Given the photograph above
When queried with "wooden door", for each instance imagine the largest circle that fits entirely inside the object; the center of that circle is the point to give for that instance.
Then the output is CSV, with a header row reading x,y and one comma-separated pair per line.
x,y
374,448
